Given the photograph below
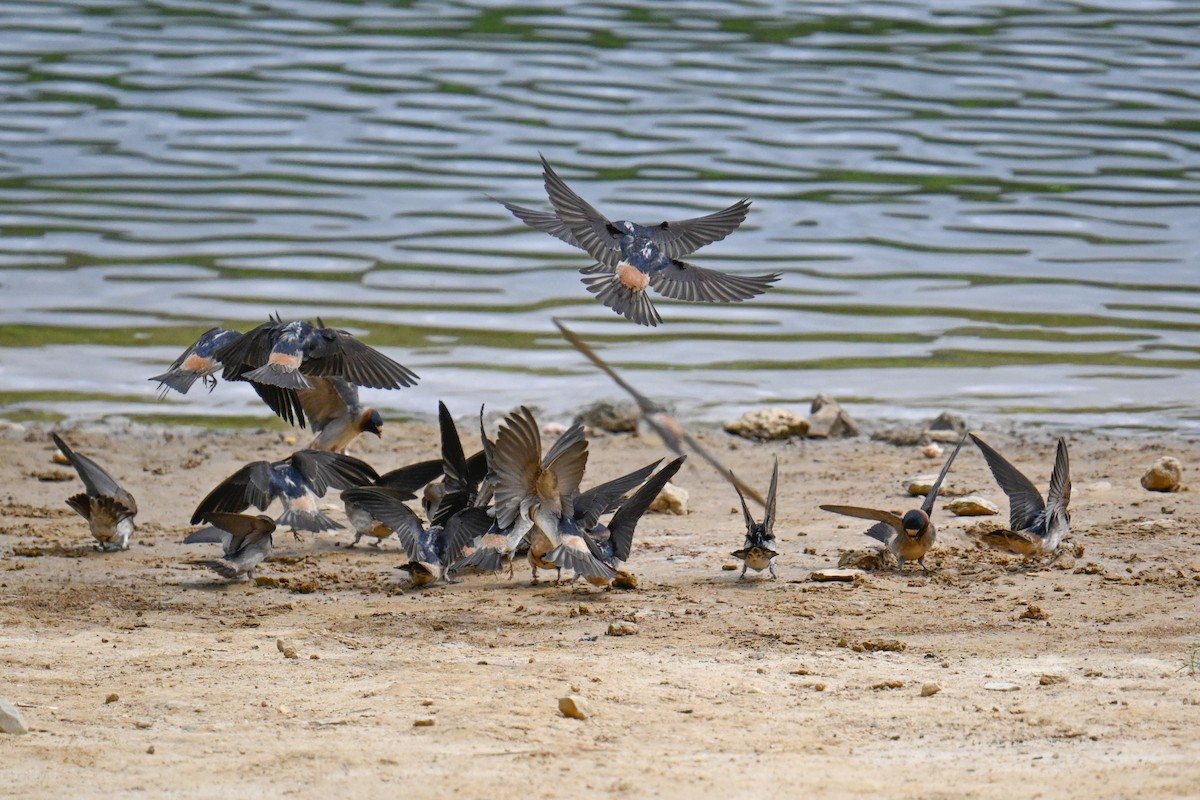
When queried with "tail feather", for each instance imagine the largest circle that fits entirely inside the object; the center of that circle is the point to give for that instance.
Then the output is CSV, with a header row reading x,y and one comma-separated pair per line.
x,y
179,380
485,559
222,568
581,562
277,375
634,306
312,521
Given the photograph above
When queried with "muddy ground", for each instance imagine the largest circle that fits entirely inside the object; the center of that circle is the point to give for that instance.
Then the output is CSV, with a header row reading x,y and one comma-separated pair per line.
x,y
141,673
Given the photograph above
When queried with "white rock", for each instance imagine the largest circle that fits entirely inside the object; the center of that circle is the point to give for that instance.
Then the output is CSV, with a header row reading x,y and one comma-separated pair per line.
x,y
919,485
671,500
11,719
574,706
835,575
1164,476
971,506
1001,686
768,423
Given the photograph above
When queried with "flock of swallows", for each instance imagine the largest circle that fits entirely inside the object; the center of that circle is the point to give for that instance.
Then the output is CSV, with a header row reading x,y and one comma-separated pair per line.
x,y
509,497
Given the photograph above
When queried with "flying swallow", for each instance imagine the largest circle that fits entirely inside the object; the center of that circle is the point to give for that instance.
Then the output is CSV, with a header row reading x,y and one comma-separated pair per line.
x,y
430,550
612,543
666,426
462,480
107,507
197,362
1036,526
298,481
908,538
403,484
246,541
758,551
335,413
286,354
631,257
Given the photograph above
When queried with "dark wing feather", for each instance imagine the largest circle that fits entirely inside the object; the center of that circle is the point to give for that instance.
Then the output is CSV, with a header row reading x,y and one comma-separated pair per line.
x,y
336,353
464,528
683,281
322,469
769,514
606,497
867,513
386,507
249,486
518,453
931,498
407,480
678,239
881,532
284,402
746,517
544,221
624,522
454,466
248,352
1059,495
98,482
1025,503
590,229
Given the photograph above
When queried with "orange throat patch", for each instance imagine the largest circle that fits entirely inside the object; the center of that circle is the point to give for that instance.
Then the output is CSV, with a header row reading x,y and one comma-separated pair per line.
x,y
631,277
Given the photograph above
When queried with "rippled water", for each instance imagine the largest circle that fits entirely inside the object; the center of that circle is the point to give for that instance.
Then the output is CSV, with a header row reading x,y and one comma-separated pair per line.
x,y
986,206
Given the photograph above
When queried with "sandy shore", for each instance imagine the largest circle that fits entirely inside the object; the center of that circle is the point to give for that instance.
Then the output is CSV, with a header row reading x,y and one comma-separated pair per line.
x,y
728,688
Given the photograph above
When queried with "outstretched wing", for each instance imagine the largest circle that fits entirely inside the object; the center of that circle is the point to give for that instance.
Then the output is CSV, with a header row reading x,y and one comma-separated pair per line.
x,y
683,281
885,517
624,522
336,353
678,239
931,498
249,486
1025,503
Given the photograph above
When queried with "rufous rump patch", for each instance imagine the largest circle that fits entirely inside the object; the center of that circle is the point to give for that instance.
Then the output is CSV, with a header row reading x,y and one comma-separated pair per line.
x,y
631,277
195,363
284,360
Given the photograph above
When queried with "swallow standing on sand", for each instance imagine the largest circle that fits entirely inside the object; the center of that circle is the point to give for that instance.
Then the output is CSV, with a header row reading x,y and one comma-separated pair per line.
x,y
247,541
199,361
285,354
298,480
1036,526
335,413
430,550
108,509
631,257
666,426
758,551
908,538
612,543
403,484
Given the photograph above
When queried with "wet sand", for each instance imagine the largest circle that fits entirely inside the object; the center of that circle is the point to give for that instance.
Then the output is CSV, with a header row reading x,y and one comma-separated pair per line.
x,y
727,688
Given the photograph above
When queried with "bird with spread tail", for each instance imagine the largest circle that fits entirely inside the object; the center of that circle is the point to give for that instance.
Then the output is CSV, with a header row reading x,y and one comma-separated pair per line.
x,y
631,257
1036,526
108,508
246,540
908,538
758,551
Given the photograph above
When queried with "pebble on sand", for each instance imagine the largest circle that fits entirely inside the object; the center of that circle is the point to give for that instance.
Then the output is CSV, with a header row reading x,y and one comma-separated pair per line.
x,y
971,506
11,719
929,689
622,628
829,420
287,650
835,575
671,500
1001,686
574,706
1165,475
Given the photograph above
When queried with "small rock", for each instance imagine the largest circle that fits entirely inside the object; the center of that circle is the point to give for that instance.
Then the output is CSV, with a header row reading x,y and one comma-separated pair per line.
x,y
946,427
729,567
829,420
611,417
11,720
884,645
143,724
112,698
1001,686
284,710
767,424
971,506
901,437
929,689
423,722
622,628
574,706
835,575
1033,612
285,648
932,450
1164,476
920,485
867,560
150,750
59,458
888,685
626,581
1050,680
671,500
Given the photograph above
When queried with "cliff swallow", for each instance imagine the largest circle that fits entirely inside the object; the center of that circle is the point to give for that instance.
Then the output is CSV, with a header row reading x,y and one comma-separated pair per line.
x,y
335,413
758,551
666,426
462,477
631,257
197,362
430,550
1037,526
908,538
533,494
246,541
108,509
285,354
612,543
403,484
298,481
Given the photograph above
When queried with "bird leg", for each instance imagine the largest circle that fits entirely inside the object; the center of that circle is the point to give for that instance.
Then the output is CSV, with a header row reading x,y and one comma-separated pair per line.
x,y
771,567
